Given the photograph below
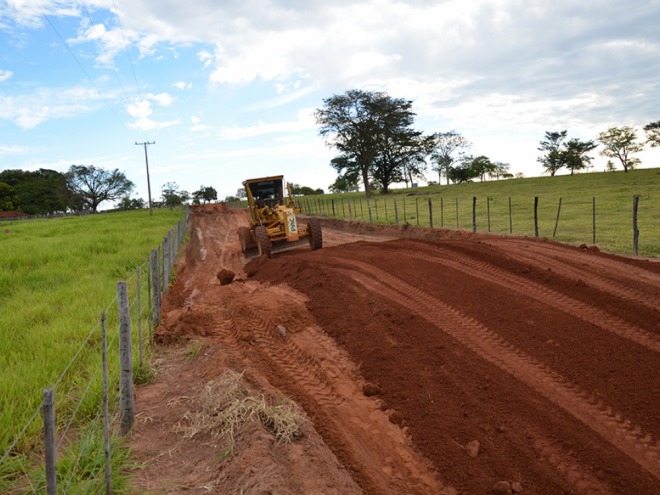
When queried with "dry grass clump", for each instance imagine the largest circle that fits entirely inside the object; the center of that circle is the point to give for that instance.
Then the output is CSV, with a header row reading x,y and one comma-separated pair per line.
x,y
225,404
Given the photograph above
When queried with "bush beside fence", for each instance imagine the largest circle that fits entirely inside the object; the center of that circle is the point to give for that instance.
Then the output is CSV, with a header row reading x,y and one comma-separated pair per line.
x,y
82,415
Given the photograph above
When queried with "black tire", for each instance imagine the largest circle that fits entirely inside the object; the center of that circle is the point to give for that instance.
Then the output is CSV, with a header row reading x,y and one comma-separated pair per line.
x,y
263,241
244,238
315,234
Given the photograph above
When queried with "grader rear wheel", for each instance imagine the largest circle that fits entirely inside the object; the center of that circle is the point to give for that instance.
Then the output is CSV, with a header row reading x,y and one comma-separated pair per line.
x,y
263,241
315,234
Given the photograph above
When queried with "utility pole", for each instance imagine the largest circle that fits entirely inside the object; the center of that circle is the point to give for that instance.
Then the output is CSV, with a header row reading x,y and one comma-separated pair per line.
x,y
146,161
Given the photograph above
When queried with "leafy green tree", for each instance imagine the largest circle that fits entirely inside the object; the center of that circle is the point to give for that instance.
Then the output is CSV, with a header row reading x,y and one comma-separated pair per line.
x,y
8,198
445,146
126,203
554,158
173,196
481,165
501,171
298,190
620,142
362,125
653,133
575,154
346,182
89,186
465,170
205,194
39,192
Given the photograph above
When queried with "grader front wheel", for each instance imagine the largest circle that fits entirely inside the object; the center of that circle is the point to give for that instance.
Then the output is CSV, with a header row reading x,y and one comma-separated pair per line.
x,y
263,241
315,234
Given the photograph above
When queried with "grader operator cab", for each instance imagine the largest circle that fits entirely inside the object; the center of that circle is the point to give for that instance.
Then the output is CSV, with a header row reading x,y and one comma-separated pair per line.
x,y
273,225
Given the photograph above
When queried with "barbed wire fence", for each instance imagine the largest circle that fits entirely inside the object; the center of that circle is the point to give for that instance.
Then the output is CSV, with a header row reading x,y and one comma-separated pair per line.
x,y
565,219
84,417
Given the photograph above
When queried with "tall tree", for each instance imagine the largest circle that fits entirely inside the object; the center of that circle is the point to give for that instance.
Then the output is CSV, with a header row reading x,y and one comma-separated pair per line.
x,y
653,133
481,166
464,170
575,154
501,171
359,124
446,147
89,186
620,142
553,160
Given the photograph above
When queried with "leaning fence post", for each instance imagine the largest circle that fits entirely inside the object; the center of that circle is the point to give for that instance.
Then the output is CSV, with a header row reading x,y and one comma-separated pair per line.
x,y
166,264
126,405
48,409
635,229
554,233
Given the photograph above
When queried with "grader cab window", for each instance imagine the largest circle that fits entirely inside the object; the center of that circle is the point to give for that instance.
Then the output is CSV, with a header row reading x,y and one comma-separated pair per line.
x,y
267,193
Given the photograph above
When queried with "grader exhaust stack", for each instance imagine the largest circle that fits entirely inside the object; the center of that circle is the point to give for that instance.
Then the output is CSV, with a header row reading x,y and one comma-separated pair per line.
x,y
273,225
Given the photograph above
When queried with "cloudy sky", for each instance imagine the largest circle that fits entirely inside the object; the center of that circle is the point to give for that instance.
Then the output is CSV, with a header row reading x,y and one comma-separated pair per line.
x,y
227,88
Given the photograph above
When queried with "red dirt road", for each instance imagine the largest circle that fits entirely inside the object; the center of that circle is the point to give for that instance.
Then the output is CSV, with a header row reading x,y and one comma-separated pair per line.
x,y
462,364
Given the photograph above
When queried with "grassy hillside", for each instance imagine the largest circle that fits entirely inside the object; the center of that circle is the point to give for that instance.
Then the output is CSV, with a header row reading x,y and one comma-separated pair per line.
x,y
613,193
56,276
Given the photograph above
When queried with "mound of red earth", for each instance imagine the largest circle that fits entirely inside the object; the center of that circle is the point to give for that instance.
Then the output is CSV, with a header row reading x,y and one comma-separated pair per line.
x,y
438,362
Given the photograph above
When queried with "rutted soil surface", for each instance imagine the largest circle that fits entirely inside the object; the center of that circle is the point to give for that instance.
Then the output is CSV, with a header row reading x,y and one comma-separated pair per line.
x,y
429,362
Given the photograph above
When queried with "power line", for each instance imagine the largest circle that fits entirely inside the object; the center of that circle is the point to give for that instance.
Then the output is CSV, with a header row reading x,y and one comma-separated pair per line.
x,y
128,54
82,68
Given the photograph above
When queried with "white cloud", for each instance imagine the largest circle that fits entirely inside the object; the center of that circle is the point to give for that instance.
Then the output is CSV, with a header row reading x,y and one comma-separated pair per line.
x,y
303,122
141,111
5,75
29,110
183,85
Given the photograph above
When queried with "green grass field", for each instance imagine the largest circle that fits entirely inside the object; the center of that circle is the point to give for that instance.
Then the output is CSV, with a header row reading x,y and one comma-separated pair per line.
x,y
452,208
56,277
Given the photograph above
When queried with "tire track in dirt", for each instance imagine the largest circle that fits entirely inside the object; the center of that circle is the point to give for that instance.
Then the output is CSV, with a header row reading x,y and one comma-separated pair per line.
x,y
596,415
542,294
592,279
368,438
626,271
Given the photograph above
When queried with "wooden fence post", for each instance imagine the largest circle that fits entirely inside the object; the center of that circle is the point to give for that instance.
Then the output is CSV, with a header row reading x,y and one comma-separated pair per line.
x,y
334,215
343,211
126,405
417,209
139,314
350,211
106,414
371,220
457,227
155,284
635,229
488,211
430,212
510,217
474,213
554,233
166,265
594,220
48,410
396,211
442,212
536,216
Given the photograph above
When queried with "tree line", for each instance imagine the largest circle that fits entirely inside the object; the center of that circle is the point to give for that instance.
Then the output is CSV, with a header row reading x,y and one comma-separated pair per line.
x,y
83,188
378,145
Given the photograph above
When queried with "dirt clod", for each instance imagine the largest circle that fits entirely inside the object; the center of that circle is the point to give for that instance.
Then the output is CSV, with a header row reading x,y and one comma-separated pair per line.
x,y
472,448
225,276
370,389
502,488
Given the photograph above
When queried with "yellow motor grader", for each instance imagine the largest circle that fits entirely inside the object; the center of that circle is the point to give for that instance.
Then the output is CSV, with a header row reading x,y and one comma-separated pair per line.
x,y
273,224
